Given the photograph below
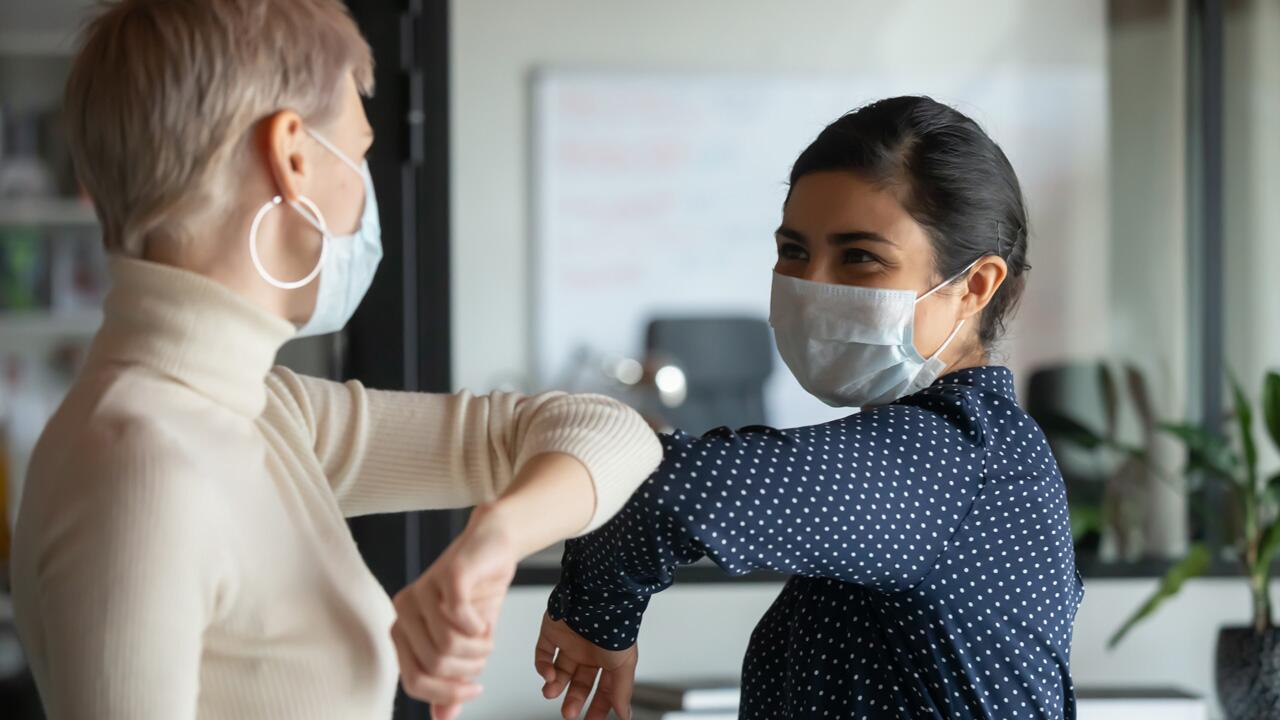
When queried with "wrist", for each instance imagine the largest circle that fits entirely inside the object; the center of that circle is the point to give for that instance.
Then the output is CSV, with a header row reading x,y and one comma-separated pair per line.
x,y
551,498
490,522
496,521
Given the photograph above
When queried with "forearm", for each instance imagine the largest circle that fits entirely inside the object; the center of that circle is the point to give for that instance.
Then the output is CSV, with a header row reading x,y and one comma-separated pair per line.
x,y
551,498
394,451
608,576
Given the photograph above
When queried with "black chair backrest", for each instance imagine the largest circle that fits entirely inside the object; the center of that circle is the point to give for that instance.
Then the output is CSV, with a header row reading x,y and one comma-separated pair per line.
x,y
725,360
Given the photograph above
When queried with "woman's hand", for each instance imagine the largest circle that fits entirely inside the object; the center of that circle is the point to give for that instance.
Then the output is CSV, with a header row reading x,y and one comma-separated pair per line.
x,y
444,628
566,659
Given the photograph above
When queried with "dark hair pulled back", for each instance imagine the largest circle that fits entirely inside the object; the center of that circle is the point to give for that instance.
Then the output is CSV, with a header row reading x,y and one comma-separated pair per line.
x,y
949,175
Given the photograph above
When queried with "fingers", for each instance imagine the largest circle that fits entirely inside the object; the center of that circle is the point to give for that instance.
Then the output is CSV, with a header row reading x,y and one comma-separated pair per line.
x,y
445,621
445,712
439,650
441,692
564,667
622,683
458,609
601,704
544,661
583,680
421,686
489,609
409,631
470,599
451,640
438,605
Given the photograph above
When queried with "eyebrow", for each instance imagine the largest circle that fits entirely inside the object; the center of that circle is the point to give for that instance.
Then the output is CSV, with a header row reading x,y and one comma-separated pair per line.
x,y
841,238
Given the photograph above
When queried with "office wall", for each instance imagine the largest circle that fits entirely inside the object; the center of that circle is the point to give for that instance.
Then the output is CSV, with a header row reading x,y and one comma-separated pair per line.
x,y
498,43
1251,238
1148,318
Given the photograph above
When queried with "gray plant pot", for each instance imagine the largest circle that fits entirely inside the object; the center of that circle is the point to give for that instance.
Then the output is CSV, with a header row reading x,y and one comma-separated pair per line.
x,y
1248,673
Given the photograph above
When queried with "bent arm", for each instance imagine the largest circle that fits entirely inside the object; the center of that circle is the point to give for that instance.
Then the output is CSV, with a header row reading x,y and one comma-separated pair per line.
x,y
395,451
871,499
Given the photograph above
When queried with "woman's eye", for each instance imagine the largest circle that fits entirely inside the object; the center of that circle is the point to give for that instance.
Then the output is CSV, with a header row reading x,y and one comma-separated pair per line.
x,y
855,255
791,251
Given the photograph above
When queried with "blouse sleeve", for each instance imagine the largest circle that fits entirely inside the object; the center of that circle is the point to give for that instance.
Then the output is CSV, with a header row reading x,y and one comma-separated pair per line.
x,y
871,499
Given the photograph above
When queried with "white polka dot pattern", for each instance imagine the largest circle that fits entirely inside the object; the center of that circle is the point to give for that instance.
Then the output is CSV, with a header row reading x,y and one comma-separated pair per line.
x,y
933,569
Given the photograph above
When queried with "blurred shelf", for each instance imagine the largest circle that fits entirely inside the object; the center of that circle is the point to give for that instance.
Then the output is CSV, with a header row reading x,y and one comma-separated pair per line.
x,y
38,328
47,212
47,43
543,568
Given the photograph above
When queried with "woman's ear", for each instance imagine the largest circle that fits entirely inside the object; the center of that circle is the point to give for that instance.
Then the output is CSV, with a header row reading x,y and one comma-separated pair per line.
x,y
984,280
281,138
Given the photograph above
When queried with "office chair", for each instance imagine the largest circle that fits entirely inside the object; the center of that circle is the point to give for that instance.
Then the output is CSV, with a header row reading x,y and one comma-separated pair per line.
x,y
725,362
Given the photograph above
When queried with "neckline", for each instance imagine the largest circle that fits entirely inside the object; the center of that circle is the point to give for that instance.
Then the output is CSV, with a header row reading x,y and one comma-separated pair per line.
x,y
192,330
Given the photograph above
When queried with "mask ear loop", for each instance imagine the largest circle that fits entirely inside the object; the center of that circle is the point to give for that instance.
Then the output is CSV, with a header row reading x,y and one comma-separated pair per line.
x,y
334,149
960,324
316,220
946,342
948,281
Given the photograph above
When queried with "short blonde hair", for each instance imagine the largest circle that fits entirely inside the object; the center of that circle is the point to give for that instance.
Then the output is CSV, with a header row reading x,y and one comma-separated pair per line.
x,y
163,92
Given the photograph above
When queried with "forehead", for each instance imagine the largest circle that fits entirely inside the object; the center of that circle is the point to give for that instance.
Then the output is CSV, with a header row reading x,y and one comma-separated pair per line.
x,y
351,115
823,203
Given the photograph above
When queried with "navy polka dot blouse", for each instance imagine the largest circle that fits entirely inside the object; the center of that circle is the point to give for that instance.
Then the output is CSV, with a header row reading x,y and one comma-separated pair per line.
x,y
933,572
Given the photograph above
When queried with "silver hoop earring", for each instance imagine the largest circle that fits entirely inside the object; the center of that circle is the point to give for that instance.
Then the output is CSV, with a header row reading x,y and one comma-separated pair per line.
x,y
317,222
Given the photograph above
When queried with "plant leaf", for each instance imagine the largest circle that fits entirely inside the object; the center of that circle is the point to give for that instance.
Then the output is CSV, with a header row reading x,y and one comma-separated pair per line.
x,y
1273,488
1110,399
1206,451
1084,519
1141,398
1270,542
1064,427
1271,405
1193,565
1244,423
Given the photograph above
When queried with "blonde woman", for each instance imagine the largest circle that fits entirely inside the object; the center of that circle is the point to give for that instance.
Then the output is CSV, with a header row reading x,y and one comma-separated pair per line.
x,y
181,549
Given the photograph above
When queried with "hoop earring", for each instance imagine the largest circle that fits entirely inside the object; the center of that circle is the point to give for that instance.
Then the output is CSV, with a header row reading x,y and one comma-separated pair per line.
x,y
317,222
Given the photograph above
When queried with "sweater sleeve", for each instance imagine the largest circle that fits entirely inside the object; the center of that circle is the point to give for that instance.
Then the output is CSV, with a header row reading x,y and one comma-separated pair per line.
x,y
123,589
872,499
394,451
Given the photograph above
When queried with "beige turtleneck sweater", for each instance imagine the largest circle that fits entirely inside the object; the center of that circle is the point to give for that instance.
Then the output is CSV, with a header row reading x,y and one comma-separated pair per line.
x,y
181,549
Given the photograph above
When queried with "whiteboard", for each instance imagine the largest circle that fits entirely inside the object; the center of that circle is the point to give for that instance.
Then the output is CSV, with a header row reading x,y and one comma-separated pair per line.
x,y
658,193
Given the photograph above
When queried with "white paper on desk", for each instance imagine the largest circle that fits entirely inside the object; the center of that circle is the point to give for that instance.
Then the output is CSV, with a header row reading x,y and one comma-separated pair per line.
x,y
1145,709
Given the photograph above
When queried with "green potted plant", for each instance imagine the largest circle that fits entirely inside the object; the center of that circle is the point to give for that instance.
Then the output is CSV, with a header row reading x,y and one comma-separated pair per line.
x,y
1247,657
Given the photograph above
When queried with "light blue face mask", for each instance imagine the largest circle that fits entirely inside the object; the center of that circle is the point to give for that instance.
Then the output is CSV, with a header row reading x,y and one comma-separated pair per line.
x,y
347,262
853,346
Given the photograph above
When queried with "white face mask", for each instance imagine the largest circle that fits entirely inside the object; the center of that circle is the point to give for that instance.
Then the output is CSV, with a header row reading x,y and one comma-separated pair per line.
x,y
348,261
853,346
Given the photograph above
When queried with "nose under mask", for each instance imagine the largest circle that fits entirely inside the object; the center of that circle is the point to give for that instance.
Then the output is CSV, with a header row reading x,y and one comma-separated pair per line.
x,y
853,346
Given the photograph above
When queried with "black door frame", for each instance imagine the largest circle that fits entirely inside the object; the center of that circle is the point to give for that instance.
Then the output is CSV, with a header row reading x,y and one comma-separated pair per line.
x,y
1205,176
400,337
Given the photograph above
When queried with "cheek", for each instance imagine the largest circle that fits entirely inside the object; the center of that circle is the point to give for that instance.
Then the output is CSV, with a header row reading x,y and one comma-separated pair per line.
x,y
343,202
933,323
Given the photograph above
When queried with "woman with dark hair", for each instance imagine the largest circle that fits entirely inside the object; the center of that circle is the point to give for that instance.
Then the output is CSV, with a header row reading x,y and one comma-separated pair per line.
x,y
926,535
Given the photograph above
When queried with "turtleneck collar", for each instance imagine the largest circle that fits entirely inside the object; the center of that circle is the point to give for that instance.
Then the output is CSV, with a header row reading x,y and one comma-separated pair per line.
x,y
192,329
